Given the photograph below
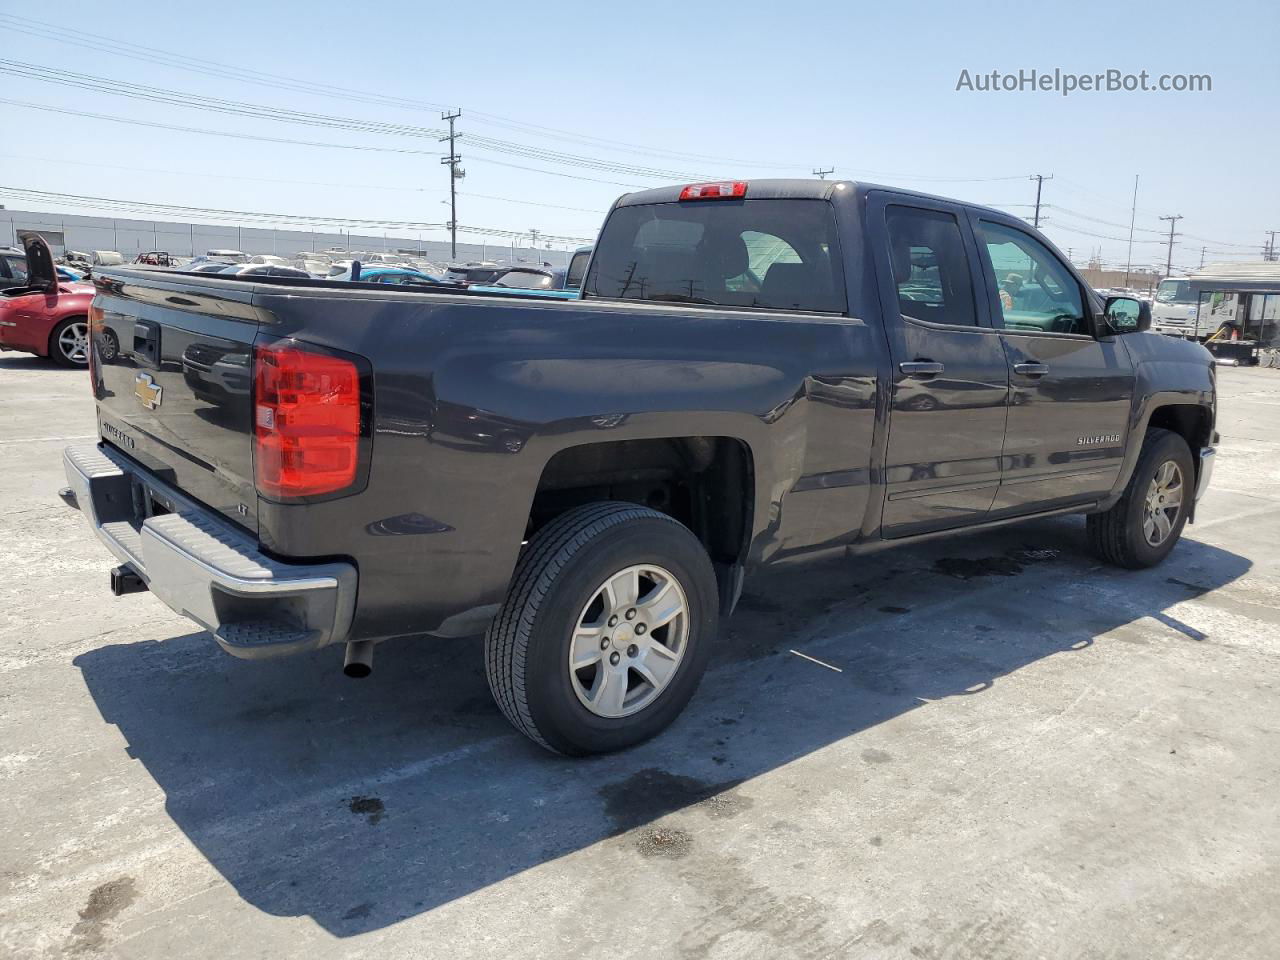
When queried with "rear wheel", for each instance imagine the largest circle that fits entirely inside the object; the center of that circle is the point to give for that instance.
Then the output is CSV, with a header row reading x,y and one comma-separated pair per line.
x,y
605,631
1145,524
69,342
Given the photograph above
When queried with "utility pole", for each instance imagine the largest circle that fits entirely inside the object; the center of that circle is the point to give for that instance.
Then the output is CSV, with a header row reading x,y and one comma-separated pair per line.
x,y
1270,253
821,174
1133,216
534,234
1202,252
455,171
1039,179
1173,222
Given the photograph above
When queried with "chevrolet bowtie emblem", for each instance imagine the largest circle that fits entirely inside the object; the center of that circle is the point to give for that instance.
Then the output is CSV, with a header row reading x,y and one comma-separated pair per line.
x,y
147,391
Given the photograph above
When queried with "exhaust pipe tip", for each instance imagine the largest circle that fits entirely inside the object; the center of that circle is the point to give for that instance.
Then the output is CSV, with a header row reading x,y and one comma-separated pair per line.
x,y
358,662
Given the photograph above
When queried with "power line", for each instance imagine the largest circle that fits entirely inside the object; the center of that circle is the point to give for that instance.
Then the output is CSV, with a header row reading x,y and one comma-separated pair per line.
x,y
215,133
224,71
306,183
306,143
257,111
1084,216
216,213
95,41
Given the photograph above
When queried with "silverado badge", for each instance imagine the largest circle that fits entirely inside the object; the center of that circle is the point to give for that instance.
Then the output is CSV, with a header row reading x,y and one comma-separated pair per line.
x,y
149,394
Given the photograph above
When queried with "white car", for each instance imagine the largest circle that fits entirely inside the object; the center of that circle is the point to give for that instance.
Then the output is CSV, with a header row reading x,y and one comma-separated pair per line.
x,y
227,256
317,268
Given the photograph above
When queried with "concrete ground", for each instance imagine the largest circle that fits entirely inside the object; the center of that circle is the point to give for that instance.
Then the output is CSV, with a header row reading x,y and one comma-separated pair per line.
x,y
1011,751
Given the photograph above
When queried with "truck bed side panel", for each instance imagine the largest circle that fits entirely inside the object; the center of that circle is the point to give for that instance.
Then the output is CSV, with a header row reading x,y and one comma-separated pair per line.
x,y
473,396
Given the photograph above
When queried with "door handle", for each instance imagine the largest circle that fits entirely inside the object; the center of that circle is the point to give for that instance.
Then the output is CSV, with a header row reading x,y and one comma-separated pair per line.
x,y
1031,369
920,368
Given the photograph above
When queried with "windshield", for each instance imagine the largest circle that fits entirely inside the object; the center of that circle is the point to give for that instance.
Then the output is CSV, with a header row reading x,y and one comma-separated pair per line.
x,y
772,254
1174,291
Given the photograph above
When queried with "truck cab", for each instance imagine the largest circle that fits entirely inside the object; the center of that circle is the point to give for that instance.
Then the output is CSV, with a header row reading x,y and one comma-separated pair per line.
x,y
1174,310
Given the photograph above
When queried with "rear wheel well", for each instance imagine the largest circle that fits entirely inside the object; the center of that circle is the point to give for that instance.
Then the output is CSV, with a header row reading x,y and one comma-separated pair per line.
x,y
704,482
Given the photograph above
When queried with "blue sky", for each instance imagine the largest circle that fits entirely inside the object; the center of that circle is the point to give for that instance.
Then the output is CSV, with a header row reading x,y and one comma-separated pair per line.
x,y
742,89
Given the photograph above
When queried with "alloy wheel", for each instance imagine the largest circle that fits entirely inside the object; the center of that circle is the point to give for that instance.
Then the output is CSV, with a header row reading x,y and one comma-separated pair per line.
x,y
73,343
1163,503
628,641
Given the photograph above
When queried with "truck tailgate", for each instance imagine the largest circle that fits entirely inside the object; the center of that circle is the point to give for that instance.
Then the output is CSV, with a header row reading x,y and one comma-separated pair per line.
x,y
173,368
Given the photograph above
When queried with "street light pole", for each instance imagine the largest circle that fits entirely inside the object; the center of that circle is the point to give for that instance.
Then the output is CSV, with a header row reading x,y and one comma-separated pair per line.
x,y
1133,216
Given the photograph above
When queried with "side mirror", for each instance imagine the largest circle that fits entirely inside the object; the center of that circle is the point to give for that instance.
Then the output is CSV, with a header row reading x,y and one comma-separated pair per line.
x,y
1127,315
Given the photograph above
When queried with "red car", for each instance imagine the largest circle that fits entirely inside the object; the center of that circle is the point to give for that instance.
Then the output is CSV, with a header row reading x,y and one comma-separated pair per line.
x,y
45,316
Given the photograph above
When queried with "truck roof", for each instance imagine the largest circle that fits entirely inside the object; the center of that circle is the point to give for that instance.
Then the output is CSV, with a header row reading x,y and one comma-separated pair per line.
x,y
794,188
1255,272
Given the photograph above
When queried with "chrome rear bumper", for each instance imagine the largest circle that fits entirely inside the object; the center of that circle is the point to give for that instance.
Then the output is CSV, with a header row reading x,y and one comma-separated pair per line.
x,y
204,568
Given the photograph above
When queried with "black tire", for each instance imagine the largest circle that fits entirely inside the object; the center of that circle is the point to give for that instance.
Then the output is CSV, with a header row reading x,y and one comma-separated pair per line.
x,y
56,353
1117,535
527,644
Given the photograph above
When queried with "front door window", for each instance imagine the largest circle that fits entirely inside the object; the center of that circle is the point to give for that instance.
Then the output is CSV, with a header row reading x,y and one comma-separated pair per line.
x,y
1036,290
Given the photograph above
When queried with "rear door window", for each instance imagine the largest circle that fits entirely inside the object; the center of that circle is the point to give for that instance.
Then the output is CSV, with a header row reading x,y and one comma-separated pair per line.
x,y
930,269
766,254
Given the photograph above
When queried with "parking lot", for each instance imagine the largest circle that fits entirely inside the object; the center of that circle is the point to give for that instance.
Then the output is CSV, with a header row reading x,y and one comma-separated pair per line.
x,y
991,746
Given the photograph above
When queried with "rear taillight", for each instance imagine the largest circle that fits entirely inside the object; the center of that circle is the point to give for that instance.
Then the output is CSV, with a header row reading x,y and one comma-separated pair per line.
x,y
306,421
724,190
97,322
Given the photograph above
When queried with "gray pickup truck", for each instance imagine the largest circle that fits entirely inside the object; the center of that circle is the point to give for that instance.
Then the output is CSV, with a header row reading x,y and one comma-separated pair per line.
x,y
755,371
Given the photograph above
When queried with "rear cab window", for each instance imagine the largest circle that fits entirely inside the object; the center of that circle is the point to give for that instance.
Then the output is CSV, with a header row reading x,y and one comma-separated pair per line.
x,y
765,254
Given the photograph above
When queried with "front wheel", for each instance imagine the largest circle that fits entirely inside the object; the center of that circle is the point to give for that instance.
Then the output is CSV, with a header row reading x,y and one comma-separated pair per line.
x,y
605,631
1143,526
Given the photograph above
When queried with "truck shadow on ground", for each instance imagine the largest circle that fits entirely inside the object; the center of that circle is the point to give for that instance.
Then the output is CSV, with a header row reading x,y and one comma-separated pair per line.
x,y
362,803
